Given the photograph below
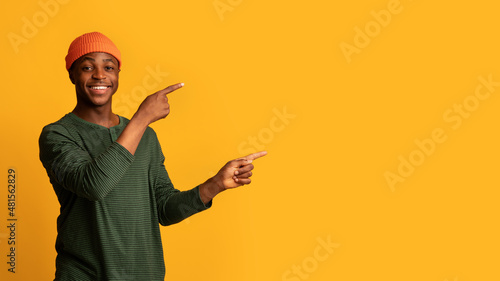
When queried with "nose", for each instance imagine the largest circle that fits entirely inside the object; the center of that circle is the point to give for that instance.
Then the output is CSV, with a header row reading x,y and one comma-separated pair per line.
x,y
99,74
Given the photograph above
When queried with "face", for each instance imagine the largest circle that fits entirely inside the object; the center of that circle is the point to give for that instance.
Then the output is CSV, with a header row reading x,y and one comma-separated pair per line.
x,y
95,76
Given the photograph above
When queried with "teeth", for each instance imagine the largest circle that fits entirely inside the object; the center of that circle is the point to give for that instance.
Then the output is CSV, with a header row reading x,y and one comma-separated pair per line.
x,y
99,88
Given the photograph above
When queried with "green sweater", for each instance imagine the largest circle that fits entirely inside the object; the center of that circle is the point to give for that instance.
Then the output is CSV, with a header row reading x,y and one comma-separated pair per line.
x,y
112,202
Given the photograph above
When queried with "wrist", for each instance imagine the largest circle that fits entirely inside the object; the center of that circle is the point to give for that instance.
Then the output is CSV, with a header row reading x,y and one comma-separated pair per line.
x,y
139,120
209,189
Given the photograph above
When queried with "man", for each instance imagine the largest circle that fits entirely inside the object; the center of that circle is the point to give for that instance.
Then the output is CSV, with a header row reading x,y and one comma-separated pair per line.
x,y
109,177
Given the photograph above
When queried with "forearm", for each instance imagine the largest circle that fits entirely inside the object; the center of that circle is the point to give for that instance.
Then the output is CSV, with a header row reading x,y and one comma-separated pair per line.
x,y
94,178
132,134
179,205
72,167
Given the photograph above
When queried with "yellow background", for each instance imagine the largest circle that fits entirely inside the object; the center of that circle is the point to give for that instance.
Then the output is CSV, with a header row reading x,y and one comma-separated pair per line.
x,y
324,175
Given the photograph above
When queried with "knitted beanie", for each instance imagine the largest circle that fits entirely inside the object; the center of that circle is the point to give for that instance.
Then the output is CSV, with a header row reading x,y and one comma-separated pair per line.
x,y
90,43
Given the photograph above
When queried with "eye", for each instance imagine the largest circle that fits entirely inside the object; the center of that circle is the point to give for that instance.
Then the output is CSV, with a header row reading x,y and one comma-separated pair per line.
x,y
109,68
87,68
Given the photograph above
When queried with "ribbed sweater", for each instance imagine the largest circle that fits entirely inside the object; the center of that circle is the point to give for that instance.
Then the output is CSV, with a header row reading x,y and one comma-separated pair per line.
x,y
112,202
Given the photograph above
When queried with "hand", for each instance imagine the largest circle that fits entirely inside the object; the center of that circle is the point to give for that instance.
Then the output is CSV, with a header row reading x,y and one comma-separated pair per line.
x,y
234,174
155,106
237,172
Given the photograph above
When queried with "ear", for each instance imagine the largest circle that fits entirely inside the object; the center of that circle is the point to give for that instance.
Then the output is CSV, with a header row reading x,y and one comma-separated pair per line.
x,y
70,72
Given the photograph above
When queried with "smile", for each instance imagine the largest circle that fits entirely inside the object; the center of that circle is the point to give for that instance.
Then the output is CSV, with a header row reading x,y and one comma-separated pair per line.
x,y
98,87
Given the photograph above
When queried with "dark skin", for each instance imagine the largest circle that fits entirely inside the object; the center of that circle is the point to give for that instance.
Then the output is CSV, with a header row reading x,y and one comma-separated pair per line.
x,y
95,77
95,70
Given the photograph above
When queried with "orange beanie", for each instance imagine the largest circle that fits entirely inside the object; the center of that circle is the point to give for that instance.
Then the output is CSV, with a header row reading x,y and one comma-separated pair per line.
x,y
90,43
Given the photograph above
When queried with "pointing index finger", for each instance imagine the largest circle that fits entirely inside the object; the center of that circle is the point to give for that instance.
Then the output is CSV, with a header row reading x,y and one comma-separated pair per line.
x,y
254,156
171,88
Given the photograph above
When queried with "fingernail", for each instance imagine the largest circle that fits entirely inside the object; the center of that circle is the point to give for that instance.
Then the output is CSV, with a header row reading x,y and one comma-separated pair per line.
x,y
237,172
249,161
182,84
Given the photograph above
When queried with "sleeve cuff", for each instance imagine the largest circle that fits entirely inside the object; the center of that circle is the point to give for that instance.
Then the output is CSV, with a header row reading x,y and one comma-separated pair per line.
x,y
208,205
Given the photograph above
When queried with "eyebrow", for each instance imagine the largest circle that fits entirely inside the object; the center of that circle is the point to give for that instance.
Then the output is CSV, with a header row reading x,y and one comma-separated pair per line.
x,y
92,59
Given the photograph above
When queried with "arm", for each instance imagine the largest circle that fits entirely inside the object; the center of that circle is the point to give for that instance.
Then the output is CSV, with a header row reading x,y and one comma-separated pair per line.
x,y
71,167
174,205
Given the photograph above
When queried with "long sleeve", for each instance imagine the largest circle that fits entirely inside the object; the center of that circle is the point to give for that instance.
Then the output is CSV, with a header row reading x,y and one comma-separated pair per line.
x,y
69,165
174,205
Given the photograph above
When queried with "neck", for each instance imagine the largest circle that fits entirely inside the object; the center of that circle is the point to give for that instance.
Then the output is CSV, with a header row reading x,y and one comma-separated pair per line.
x,y
102,115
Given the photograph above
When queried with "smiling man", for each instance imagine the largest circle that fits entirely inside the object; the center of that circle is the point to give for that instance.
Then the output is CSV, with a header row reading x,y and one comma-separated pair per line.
x,y
109,176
